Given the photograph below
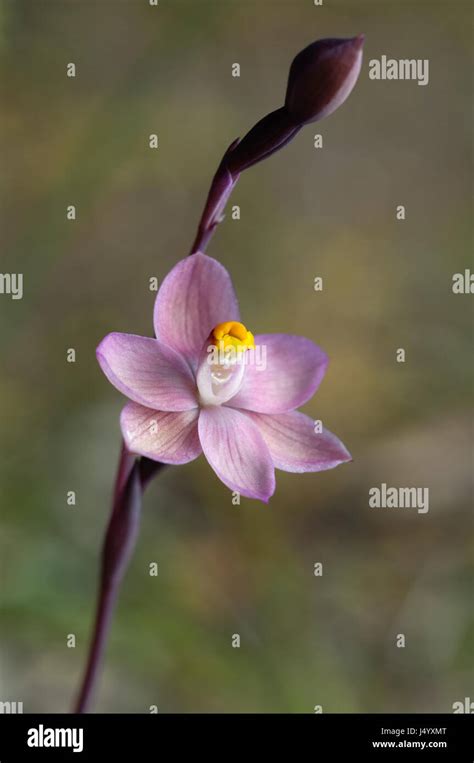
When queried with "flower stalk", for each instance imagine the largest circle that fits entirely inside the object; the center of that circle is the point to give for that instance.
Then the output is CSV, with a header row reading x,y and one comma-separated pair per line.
x,y
133,475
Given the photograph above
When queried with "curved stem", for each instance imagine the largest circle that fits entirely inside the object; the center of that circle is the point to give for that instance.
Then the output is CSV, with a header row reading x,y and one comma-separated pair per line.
x,y
222,186
270,134
133,475
105,607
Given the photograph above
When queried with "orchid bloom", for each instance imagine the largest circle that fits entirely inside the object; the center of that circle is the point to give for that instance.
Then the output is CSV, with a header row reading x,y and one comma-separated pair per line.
x,y
241,415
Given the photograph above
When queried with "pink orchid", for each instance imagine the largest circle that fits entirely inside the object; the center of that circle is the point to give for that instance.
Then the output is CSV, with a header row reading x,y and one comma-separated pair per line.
x,y
240,415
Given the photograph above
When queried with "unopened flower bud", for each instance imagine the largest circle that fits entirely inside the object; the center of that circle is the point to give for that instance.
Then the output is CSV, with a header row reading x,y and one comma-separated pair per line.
x,y
321,78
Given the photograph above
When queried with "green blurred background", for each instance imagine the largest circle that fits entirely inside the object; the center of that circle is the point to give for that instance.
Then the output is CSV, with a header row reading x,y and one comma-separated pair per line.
x,y
306,212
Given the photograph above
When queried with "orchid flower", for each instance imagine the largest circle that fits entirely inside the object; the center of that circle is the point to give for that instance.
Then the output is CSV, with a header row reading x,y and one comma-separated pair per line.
x,y
186,399
193,389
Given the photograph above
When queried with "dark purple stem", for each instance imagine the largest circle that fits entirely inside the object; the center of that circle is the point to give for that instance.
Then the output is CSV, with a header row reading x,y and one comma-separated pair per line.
x,y
133,475
221,187
273,132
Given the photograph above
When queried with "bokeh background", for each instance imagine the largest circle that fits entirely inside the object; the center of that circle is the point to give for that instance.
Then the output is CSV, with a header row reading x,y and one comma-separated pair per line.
x,y
306,212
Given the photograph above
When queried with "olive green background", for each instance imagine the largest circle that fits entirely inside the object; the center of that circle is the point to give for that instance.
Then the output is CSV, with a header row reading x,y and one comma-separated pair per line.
x,y
306,212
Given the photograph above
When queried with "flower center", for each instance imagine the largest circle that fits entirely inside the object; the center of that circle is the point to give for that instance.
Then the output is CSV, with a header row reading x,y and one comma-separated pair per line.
x,y
232,334
221,370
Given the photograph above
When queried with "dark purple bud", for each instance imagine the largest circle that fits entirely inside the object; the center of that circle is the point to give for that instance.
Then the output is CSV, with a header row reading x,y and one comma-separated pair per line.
x,y
321,78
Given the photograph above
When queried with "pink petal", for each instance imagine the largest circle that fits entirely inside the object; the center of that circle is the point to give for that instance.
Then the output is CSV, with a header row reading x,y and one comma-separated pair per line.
x,y
194,297
147,372
296,447
236,450
161,435
294,369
